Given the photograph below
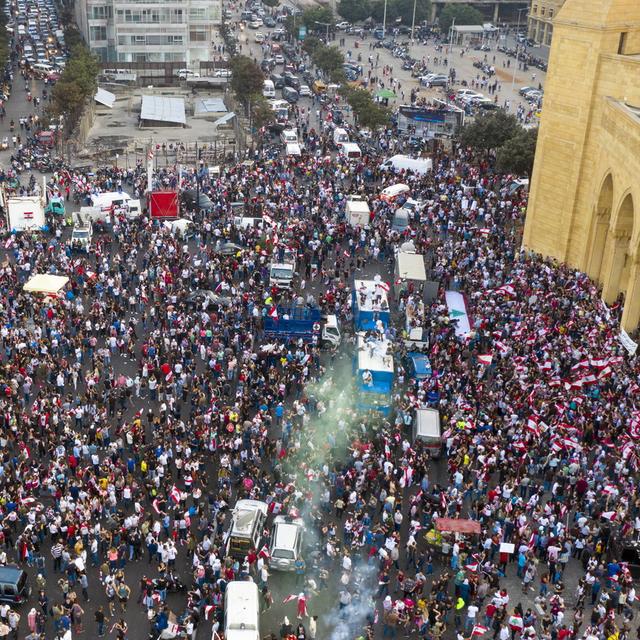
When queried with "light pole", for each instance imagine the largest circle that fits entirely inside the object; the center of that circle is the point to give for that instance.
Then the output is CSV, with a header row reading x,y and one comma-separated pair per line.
x,y
413,19
384,21
451,28
515,66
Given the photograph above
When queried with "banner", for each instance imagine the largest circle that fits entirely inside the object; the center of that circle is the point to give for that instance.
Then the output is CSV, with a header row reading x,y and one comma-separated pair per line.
x,y
627,342
458,313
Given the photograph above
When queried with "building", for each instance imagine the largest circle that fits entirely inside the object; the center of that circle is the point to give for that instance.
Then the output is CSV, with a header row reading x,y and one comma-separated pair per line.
x,y
541,15
496,11
150,31
584,205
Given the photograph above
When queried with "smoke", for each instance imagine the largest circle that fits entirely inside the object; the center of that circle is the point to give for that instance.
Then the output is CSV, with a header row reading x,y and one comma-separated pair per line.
x,y
349,622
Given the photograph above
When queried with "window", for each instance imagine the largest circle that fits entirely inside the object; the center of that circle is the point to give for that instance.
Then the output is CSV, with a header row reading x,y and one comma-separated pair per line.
x,y
197,13
550,14
622,43
534,9
140,39
97,33
175,40
197,35
542,11
98,13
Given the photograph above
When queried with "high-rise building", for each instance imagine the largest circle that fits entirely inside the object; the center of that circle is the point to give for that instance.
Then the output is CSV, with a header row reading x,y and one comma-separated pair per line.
x,y
584,203
149,30
541,15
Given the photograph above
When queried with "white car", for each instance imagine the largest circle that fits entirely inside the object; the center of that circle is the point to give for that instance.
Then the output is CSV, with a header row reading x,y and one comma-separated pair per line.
x,y
279,58
255,24
341,26
259,37
222,73
304,90
183,74
467,93
289,136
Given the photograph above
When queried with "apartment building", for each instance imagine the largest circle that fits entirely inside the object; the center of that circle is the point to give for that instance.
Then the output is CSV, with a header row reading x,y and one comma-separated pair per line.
x,y
541,14
149,30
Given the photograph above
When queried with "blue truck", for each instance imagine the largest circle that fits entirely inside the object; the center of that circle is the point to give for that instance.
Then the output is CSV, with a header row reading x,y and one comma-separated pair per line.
x,y
370,305
374,374
302,322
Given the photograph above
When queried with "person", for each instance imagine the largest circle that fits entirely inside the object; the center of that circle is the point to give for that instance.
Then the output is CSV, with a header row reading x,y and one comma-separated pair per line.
x,y
121,629
100,621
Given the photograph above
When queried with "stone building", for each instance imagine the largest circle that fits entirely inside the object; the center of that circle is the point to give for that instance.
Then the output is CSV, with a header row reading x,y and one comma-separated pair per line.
x,y
584,205
541,15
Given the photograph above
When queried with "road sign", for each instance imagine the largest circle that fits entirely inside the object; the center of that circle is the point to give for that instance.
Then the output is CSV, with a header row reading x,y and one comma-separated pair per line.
x,y
302,32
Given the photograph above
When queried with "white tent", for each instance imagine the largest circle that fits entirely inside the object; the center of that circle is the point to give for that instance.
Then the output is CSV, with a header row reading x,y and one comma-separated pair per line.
x,y
45,283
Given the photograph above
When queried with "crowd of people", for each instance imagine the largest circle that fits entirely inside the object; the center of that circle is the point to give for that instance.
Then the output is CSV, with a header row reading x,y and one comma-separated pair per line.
x,y
133,417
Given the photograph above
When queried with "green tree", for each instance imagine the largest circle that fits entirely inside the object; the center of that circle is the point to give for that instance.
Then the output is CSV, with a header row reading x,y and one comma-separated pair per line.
x,y
271,3
462,13
328,59
516,155
489,131
403,9
247,78
354,10
311,43
367,112
261,111
316,18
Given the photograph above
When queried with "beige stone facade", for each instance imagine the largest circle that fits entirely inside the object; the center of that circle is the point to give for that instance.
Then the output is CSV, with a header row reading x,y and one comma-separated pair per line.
x,y
584,205
541,16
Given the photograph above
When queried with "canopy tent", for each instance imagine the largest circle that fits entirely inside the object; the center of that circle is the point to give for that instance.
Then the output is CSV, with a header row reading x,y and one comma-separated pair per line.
x,y
162,109
105,97
45,283
457,525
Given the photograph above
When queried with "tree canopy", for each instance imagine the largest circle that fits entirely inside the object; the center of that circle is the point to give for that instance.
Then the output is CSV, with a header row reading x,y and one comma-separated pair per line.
x,y
462,13
328,59
247,78
402,9
516,155
367,112
489,131
354,10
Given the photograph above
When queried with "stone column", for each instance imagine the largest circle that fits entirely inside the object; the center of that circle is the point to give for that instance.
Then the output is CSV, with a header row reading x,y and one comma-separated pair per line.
x,y
496,13
615,255
598,244
631,311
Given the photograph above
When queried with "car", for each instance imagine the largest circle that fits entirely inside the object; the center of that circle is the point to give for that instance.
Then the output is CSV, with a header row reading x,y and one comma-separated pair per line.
x,y
342,26
203,298
304,91
289,136
256,23
267,64
269,22
355,31
485,103
222,73
228,249
463,93
183,74
524,90
259,37
279,58
434,80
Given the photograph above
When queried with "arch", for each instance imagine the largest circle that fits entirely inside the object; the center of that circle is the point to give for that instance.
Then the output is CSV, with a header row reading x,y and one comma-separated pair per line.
x,y
600,228
618,250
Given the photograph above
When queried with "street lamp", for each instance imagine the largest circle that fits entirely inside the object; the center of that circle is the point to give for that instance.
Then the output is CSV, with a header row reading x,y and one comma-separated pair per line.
x,y
384,21
513,79
413,19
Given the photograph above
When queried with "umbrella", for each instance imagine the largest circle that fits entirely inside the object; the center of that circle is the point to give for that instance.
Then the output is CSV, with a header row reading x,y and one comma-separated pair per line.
x,y
385,93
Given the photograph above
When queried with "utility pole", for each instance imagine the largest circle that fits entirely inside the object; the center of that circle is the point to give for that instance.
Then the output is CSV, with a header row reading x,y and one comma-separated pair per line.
x,y
453,24
384,21
413,20
515,65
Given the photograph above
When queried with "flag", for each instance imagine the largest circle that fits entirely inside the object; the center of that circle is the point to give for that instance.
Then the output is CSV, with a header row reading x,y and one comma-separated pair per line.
x,y
264,552
291,598
484,231
485,359
506,290
443,501
346,254
155,504
471,567
383,285
175,494
273,313
609,515
479,630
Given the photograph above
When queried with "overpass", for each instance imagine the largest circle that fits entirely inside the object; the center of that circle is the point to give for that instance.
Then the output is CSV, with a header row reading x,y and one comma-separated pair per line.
x,y
493,10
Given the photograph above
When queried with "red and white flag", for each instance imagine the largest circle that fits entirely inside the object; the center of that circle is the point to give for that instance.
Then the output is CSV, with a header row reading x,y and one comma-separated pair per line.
x,y
175,494
609,515
291,598
273,313
383,285
485,359
479,630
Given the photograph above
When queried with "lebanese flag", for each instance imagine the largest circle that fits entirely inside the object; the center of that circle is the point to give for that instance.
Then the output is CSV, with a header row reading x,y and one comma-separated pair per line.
x,y
502,347
598,364
609,489
506,290
607,371
273,313
264,552
485,359
533,425
346,254
472,567
291,598
208,610
302,606
608,515
383,285
484,231
583,364
479,630
175,494
443,501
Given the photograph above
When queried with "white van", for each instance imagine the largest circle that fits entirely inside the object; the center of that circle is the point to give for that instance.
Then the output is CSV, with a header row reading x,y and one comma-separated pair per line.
x,y
340,136
419,166
247,524
269,89
111,200
241,611
286,543
350,150
293,149
426,427
43,66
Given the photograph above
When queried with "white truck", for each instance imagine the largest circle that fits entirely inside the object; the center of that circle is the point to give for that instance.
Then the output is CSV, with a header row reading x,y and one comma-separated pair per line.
x,y
25,213
281,274
357,211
